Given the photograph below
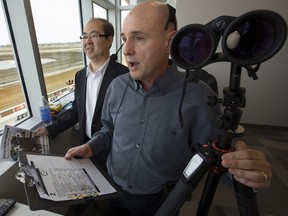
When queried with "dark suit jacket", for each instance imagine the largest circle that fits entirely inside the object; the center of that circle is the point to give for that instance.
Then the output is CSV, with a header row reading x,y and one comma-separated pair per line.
x,y
77,113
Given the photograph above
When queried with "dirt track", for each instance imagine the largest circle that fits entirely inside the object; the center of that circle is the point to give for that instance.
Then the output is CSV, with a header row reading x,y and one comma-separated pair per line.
x,y
68,61
12,94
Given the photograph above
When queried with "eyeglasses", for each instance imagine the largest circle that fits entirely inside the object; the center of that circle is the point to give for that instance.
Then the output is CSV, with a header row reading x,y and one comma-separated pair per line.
x,y
93,36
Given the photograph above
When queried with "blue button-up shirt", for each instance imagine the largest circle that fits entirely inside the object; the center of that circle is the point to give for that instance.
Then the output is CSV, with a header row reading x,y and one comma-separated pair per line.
x,y
151,134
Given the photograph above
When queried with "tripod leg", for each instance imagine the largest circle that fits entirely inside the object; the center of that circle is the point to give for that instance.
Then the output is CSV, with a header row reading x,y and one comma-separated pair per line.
x,y
208,193
246,200
192,175
180,193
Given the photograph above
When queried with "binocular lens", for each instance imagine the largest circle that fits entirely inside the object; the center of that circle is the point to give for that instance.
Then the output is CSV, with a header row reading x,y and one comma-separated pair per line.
x,y
248,40
255,39
257,35
192,47
195,47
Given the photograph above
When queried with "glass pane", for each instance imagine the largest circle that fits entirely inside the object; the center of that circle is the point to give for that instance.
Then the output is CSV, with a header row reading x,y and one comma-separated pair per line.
x,y
125,2
123,15
59,44
130,2
134,2
13,106
99,11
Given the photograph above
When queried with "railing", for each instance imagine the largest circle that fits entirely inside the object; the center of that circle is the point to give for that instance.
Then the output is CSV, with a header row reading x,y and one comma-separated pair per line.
x,y
20,112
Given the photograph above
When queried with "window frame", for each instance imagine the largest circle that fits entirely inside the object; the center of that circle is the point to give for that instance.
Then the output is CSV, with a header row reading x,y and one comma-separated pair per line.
x,y
25,49
26,54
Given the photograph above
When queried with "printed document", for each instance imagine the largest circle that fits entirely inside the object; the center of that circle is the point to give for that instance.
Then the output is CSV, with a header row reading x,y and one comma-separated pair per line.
x,y
69,179
16,139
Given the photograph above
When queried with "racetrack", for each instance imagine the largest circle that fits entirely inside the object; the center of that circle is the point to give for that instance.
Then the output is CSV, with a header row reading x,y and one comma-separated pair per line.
x,y
11,95
67,61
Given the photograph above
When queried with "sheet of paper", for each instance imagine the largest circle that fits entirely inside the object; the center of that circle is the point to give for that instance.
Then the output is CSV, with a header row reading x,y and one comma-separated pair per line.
x,y
69,179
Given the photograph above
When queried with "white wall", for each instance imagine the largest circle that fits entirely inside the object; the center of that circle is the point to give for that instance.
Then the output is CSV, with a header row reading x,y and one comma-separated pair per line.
x,y
267,100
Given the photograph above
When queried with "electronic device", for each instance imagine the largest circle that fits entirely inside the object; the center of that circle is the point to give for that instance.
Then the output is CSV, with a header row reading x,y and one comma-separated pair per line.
x,y
6,205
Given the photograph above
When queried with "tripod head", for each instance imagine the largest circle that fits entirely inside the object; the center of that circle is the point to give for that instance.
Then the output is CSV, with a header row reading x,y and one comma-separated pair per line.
x,y
247,41
233,99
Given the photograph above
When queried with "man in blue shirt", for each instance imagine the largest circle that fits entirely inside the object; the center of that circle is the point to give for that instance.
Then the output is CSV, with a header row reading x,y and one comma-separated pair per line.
x,y
151,126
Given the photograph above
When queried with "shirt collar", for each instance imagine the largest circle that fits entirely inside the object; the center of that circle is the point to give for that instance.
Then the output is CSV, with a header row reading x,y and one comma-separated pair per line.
x,y
100,70
164,81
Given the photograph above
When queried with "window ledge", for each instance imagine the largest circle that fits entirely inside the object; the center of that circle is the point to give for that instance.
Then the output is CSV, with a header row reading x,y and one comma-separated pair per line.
x,y
30,123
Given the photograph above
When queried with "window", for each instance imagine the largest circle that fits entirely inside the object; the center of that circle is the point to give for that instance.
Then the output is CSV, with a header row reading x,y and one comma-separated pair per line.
x,y
59,44
13,107
123,15
99,11
130,2
124,2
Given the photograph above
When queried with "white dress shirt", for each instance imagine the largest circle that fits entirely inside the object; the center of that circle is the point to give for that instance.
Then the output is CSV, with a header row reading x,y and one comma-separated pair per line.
x,y
94,80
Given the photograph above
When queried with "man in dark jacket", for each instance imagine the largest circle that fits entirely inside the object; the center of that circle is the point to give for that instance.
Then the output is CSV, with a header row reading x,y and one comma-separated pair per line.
x,y
91,84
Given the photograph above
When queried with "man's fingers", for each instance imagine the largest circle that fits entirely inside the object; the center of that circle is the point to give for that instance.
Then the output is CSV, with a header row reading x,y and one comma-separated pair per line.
x,y
240,145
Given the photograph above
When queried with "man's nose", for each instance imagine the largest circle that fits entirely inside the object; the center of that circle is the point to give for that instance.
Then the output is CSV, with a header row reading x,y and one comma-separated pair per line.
x,y
128,48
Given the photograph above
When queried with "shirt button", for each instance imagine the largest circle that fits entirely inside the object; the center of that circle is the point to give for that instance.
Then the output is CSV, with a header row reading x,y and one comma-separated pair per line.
x,y
142,121
137,145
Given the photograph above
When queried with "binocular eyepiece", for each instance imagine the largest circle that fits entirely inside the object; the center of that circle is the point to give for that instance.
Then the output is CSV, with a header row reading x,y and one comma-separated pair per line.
x,y
247,40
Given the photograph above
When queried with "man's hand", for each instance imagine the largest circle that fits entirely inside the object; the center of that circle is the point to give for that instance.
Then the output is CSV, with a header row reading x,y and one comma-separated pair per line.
x,y
248,166
41,131
83,151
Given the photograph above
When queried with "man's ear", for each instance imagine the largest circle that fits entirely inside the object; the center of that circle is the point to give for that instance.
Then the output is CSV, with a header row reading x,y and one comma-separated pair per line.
x,y
110,40
169,39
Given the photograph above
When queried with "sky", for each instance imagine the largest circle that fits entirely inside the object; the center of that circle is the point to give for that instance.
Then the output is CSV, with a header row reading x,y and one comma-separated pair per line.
x,y
54,20
4,38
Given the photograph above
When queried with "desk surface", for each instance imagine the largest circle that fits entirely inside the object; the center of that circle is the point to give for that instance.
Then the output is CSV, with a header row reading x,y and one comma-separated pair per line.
x,y
11,188
23,210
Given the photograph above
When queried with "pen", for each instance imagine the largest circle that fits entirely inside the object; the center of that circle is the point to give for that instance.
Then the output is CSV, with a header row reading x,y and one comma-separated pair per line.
x,y
38,179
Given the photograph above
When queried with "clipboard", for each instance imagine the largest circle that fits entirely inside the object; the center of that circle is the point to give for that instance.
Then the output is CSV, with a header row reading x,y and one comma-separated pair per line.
x,y
34,200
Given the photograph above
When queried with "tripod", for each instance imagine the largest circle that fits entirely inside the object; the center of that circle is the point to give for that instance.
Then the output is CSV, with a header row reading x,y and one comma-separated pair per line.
x,y
209,155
